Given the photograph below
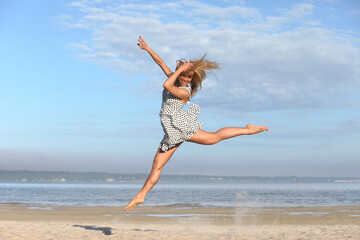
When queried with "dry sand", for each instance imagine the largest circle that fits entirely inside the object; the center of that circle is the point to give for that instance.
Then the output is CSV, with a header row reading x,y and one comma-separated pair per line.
x,y
44,222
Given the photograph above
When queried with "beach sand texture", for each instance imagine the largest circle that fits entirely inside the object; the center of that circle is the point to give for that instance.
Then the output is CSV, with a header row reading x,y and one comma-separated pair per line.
x,y
44,222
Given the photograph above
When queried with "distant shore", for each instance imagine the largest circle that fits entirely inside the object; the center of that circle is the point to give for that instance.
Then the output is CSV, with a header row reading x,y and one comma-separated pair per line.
x,y
41,222
65,176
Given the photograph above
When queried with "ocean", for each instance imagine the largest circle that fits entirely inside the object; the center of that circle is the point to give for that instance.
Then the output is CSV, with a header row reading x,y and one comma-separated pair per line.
x,y
182,194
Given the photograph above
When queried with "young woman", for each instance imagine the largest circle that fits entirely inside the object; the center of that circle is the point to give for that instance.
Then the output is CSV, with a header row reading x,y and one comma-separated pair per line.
x,y
180,125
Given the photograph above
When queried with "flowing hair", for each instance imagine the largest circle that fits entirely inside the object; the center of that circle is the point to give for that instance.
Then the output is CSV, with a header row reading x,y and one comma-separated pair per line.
x,y
201,68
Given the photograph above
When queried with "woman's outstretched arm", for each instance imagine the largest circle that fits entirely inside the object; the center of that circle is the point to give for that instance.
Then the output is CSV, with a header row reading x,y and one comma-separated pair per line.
x,y
143,45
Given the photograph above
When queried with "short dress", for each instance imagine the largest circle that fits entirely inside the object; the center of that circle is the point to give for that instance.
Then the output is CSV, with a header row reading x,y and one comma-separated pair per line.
x,y
178,125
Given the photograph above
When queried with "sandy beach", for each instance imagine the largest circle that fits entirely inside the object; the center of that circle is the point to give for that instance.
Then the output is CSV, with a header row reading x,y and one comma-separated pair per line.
x,y
49,222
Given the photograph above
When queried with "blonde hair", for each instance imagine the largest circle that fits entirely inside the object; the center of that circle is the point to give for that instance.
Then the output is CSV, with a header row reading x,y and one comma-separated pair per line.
x,y
201,68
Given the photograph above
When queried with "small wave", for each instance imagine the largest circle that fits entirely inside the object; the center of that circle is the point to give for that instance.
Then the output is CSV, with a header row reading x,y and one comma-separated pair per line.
x,y
184,205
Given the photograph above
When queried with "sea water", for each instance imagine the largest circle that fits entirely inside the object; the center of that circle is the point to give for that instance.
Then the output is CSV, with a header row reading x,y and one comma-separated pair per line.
x,y
183,194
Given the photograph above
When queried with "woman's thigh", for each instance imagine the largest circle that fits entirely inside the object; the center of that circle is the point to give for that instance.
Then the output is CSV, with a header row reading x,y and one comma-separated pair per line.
x,y
204,137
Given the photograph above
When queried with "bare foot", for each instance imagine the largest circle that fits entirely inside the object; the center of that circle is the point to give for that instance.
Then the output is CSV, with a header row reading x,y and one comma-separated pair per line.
x,y
256,129
133,203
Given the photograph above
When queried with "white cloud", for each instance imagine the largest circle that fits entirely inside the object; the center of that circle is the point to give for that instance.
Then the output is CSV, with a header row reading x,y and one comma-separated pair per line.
x,y
77,4
301,9
269,61
80,47
114,85
219,13
354,11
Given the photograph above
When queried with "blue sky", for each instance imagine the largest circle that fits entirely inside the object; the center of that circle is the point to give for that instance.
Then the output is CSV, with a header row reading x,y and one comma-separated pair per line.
x,y
78,94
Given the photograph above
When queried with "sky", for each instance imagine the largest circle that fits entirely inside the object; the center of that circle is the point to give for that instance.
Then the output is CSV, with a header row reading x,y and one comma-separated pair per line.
x,y
77,94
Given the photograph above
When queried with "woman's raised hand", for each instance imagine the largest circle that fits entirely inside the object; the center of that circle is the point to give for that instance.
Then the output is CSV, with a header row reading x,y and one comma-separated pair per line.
x,y
142,44
187,66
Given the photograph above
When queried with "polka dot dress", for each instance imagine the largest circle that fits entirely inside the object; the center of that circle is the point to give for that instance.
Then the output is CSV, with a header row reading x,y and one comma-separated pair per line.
x,y
179,125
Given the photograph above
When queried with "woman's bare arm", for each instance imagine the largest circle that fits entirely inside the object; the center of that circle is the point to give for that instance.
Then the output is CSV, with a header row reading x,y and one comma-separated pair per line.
x,y
144,46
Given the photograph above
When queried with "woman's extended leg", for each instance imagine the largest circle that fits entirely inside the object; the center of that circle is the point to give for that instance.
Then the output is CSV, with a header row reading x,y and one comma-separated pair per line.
x,y
161,158
209,138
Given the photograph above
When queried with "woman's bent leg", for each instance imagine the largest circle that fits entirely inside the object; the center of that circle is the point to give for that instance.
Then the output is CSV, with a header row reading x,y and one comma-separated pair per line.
x,y
209,138
161,158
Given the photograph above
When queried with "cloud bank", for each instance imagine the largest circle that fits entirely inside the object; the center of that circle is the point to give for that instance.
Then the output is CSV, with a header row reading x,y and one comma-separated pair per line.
x,y
284,60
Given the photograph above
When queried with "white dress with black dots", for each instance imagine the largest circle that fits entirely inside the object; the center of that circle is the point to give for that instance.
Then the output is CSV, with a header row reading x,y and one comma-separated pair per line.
x,y
179,125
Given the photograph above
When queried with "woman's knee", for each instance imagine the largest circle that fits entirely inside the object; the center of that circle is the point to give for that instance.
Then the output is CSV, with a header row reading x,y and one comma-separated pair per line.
x,y
206,138
160,160
157,165
210,139
213,140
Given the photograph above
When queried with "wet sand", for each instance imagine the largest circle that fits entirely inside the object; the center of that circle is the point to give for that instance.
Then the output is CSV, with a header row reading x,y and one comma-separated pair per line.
x,y
51,222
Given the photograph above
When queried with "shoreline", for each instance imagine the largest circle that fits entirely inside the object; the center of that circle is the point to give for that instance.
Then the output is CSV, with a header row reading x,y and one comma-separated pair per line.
x,y
19,221
219,215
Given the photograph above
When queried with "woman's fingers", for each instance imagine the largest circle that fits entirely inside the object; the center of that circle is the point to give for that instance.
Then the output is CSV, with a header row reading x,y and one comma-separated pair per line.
x,y
141,43
188,65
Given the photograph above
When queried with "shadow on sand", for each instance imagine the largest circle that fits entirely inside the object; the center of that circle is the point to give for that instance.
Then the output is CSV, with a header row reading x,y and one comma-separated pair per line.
x,y
105,230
